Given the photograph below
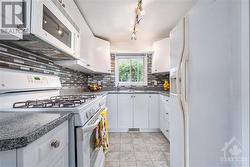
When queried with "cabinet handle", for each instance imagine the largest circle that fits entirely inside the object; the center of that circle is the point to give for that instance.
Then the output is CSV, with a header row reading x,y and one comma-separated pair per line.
x,y
149,96
167,130
55,144
167,113
166,100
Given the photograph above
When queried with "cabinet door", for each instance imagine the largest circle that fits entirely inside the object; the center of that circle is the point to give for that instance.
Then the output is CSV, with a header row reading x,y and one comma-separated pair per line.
x,y
161,56
101,56
112,111
40,153
154,111
86,39
162,111
141,111
125,111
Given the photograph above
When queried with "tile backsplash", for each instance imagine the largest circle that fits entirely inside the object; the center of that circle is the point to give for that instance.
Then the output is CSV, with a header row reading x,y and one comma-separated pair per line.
x,y
18,59
108,80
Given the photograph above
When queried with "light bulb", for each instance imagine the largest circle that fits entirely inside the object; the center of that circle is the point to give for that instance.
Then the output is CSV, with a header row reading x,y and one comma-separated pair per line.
x,y
133,35
59,31
142,12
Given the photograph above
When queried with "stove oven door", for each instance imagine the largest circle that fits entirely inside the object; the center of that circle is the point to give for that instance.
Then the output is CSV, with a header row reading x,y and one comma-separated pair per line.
x,y
87,154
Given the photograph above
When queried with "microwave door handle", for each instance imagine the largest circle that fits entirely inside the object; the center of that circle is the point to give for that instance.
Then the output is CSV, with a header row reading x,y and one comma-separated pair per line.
x,y
92,126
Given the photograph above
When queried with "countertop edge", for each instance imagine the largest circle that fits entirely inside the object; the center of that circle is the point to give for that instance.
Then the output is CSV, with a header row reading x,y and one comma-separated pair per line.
x,y
20,142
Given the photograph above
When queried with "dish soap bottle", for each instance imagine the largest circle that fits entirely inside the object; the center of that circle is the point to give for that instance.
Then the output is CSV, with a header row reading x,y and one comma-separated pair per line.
x,y
166,85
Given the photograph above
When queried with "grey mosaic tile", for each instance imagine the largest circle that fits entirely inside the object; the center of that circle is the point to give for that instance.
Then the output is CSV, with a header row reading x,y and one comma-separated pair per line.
x,y
108,80
17,59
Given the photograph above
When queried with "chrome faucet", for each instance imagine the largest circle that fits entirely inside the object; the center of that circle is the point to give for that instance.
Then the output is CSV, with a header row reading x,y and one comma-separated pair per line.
x,y
118,86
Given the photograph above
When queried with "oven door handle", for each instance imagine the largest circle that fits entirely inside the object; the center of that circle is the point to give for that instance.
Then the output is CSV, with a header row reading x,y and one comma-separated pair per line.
x,y
92,126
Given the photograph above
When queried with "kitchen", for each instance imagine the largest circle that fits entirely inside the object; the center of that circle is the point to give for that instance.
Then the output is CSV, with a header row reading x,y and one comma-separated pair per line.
x,y
124,83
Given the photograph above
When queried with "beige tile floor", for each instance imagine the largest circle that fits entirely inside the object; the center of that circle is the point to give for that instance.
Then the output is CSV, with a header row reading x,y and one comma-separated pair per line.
x,y
137,150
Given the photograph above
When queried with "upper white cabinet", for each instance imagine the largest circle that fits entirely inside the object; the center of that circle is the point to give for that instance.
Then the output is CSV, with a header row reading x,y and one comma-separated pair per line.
x,y
101,60
161,56
86,39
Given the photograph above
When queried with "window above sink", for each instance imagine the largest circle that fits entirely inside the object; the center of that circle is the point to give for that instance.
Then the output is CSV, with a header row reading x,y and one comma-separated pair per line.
x,y
131,69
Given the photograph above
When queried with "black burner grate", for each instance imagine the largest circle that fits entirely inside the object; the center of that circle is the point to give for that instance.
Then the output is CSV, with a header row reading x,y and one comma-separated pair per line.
x,y
67,101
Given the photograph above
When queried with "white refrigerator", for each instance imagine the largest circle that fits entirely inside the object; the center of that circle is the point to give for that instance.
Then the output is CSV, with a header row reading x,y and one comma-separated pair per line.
x,y
204,52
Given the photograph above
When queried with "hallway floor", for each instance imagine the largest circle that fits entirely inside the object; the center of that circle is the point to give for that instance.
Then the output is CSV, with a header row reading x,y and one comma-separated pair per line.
x,y
138,149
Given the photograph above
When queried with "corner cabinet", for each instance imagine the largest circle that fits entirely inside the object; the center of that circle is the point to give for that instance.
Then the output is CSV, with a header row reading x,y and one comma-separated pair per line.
x,y
161,56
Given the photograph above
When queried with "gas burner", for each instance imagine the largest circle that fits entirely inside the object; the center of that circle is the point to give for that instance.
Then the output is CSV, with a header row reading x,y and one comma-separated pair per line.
x,y
66,101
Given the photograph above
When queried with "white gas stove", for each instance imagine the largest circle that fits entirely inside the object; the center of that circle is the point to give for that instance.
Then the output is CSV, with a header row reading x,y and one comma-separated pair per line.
x,y
32,92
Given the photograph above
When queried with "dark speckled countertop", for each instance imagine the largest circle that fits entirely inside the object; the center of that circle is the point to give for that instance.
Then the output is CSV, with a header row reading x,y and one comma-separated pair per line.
x,y
19,129
165,93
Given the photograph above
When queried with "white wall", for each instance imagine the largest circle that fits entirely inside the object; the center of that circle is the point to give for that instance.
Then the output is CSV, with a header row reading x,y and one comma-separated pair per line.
x,y
132,46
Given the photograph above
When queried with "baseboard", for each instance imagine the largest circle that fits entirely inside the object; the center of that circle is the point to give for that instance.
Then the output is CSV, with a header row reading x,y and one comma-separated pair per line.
x,y
127,130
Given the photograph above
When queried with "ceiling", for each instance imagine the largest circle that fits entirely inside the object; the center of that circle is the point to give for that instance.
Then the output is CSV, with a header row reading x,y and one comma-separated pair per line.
x,y
113,19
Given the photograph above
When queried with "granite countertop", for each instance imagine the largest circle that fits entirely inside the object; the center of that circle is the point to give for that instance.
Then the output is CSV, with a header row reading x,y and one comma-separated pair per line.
x,y
19,129
165,93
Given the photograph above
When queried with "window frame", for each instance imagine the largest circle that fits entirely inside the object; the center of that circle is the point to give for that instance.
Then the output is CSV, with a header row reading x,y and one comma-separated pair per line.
x,y
131,56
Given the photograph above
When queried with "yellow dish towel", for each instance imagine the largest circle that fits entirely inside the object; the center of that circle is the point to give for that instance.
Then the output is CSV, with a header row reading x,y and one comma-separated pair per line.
x,y
102,132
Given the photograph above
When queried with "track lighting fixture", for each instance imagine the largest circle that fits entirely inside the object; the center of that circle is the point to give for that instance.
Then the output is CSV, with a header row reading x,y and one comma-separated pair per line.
x,y
139,13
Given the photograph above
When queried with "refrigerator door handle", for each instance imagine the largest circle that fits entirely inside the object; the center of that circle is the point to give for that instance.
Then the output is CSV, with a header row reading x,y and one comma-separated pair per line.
x,y
179,93
181,78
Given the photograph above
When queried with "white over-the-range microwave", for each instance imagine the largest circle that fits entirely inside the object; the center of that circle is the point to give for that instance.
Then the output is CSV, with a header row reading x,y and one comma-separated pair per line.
x,y
48,30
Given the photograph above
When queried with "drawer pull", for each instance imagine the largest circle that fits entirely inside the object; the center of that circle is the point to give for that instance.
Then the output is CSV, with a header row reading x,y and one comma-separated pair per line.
x,y
55,144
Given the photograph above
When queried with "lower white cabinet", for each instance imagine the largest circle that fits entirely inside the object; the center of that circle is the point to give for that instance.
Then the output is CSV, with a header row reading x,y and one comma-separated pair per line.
x,y
112,114
153,109
164,115
133,111
51,150
140,110
125,111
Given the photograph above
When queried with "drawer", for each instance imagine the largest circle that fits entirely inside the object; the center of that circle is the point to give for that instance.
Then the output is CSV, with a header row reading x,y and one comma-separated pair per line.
x,y
165,116
45,149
